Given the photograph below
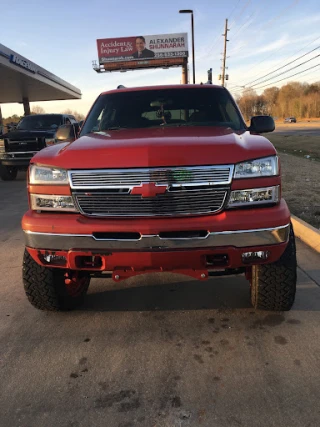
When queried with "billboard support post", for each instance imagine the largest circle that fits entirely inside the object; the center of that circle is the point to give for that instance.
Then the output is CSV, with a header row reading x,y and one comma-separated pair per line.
x,y
185,72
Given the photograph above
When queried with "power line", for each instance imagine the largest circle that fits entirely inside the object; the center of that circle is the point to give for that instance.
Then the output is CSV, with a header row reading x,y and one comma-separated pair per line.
x,y
214,43
289,77
241,12
250,83
272,54
234,9
234,87
245,23
284,72
268,24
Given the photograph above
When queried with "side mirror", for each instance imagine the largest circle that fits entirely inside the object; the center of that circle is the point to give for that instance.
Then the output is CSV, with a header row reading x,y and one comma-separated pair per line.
x,y
262,124
67,133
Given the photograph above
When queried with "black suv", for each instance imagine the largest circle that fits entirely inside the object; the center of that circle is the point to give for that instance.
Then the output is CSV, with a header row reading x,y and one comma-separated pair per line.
x,y
32,134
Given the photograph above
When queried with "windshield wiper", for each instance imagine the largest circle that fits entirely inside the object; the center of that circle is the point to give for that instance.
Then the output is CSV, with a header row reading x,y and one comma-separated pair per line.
x,y
173,124
115,128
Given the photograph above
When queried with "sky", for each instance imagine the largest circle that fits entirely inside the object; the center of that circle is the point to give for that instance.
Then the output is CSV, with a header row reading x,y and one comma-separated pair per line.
x,y
264,35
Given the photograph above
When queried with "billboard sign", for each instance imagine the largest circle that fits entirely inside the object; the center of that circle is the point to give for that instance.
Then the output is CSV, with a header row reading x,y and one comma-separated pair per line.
x,y
140,48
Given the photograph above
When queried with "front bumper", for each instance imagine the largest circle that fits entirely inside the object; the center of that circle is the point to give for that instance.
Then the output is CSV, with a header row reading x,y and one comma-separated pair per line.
x,y
193,245
149,242
18,159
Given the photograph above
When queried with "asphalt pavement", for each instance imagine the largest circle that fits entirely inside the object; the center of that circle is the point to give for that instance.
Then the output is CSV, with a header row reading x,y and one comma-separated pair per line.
x,y
159,351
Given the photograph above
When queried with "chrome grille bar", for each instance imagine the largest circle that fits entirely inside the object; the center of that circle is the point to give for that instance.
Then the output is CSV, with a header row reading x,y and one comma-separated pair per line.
x,y
173,176
169,204
24,141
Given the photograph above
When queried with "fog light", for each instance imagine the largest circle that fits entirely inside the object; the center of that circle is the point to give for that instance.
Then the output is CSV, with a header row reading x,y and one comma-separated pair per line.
x,y
46,202
254,196
250,257
54,259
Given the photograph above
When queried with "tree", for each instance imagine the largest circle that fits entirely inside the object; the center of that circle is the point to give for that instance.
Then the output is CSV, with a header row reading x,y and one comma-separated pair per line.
x,y
271,97
248,103
36,109
12,119
293,99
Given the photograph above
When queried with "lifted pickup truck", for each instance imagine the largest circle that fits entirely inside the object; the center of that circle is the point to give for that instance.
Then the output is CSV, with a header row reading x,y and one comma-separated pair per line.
x,y
165,178
32,133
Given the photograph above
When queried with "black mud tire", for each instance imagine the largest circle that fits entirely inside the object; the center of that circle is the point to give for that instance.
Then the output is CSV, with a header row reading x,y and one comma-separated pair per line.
x,y
8,173
273,286
46,289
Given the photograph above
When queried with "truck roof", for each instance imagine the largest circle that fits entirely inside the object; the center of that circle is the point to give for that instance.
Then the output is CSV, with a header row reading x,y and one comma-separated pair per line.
x,y
49,114
176,86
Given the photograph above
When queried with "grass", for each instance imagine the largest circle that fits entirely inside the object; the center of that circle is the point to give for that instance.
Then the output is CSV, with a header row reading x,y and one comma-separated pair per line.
x,y
300,170
306,146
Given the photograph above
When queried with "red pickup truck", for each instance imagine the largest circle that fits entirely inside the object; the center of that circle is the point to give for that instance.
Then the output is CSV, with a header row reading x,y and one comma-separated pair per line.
x,y
164,178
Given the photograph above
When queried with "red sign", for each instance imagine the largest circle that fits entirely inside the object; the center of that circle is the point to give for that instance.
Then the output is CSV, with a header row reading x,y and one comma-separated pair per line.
x,y
110,50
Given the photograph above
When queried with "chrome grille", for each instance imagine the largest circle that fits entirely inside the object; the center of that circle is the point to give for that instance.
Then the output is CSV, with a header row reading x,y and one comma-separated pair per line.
x,y
174,176
25,144
22,141
194,202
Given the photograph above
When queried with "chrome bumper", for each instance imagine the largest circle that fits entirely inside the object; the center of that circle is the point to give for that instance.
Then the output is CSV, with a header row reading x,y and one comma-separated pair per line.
x,y
238,239
18,158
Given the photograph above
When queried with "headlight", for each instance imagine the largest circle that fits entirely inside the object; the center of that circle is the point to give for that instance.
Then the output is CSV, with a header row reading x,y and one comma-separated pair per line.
x,y
254,196
46,175
45,202
50,141
267,166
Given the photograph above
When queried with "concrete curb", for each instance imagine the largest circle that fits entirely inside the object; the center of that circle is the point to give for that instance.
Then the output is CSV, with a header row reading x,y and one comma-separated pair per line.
x,y
305,232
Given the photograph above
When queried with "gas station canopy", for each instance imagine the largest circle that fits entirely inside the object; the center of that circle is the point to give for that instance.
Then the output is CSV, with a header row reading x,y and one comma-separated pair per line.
x,y
23,81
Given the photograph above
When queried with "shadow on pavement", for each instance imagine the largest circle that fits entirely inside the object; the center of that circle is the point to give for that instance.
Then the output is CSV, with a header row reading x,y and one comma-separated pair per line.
x,y
169,292
220,293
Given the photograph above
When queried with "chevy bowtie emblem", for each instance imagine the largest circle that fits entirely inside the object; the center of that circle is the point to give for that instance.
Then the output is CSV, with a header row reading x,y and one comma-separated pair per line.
x,y
149,189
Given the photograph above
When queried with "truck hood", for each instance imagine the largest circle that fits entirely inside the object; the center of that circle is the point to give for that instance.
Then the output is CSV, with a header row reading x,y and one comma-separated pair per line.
x,y
165,146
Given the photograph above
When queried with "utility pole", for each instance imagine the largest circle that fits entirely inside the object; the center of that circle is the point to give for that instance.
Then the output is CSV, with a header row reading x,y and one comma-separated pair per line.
x,y
224,52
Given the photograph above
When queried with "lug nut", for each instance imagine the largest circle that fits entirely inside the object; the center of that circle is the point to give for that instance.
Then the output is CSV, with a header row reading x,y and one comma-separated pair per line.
x,y
116,277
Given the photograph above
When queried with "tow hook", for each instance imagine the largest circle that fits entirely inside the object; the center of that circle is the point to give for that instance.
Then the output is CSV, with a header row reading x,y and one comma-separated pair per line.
x,y
69,280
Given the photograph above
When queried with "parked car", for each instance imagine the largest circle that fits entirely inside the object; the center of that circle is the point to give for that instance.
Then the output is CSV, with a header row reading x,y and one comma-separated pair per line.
x,y
160,179
290,120
31,134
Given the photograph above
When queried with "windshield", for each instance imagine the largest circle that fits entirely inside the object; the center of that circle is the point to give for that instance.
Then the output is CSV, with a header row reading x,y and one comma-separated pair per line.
x,y
207,106
40,122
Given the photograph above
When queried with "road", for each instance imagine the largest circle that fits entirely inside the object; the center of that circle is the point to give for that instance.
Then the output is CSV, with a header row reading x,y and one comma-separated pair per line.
x,y
178,353
300,128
